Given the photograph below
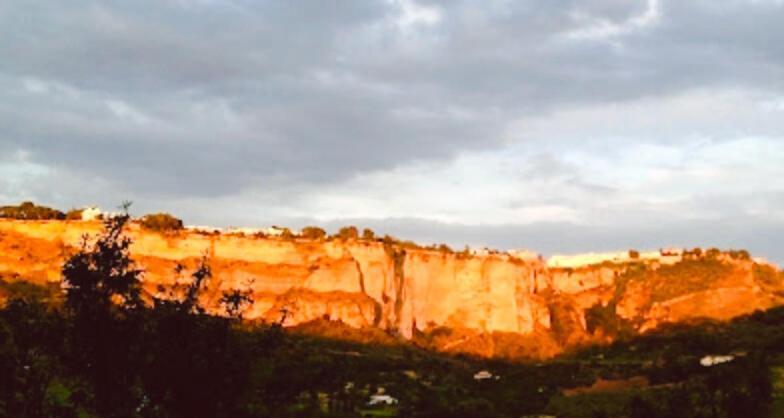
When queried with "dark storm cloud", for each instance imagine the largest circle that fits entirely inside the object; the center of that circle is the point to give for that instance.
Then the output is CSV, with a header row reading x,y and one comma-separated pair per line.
x,y
195,98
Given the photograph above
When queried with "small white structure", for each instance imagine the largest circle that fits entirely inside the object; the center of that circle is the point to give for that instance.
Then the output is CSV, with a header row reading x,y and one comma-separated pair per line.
x,y
483,375
245,231
376,400
92,213
709,361
525,255
665,256
273,231
204,229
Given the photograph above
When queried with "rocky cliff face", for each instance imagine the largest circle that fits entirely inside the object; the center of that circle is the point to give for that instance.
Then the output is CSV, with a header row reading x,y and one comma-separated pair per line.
x,y
413,291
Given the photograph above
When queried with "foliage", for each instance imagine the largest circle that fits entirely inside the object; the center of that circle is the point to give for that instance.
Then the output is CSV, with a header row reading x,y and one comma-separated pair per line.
x,y
235,302
767,275
605,318
313,232
368,234
102,275
74,215
348,232
286,234
29,211
669,281
161,222
107,354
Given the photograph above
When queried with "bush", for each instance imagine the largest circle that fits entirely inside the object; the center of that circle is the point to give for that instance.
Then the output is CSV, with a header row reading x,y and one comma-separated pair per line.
x,y
74,215
348,232
740,255
713,253
444,248
313,232
634,254
368,234
161,222
29,211
287,234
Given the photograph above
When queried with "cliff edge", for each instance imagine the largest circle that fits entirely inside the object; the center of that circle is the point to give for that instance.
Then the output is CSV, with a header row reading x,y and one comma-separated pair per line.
x,y
487,303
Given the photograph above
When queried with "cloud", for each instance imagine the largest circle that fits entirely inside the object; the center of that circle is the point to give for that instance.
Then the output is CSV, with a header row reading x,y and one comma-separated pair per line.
x,y
602,114
602,28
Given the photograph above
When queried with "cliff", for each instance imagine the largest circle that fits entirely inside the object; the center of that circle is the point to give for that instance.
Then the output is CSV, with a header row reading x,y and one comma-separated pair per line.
x,y
488,304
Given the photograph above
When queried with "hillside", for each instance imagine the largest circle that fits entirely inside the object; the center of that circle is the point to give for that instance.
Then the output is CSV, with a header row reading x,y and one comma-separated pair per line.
x,y
488,304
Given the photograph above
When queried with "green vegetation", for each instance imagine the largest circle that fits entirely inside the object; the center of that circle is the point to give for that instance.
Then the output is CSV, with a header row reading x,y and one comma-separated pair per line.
x,y
161,222
29,211
101,347
669,281
603,317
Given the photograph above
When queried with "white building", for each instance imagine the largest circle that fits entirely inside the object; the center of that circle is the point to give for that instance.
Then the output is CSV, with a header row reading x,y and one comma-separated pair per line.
x,y
273,231
92,213
485,375
204,228
376,400
526,255
709,361
665,256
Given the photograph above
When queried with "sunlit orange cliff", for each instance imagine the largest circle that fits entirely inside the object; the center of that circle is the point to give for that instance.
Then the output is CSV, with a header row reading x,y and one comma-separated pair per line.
x,y
481,302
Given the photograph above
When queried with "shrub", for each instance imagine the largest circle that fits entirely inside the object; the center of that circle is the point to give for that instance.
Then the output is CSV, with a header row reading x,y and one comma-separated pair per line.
x,y
287,234
161,222
74,215
313,232
740,255
444,248
634,254
29,211
713,253
368,234
348,232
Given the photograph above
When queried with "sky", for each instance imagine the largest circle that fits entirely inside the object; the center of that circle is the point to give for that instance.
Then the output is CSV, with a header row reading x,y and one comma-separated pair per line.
x,y
559,126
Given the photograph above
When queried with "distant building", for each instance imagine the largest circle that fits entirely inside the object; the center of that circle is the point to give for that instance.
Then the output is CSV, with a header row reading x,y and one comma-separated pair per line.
x,y
204,229
526,255
665,256
378,400
92,213
483,375
709,361
273,231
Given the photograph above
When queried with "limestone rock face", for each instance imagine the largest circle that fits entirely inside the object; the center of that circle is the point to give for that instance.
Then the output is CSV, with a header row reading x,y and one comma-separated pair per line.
x,y
405,291
358,282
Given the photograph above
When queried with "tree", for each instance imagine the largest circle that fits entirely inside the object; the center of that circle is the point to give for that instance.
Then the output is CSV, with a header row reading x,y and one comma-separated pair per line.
x,y
102,275
368,234
235,302
102,286
313,232
29,211
712,253
161,222
74,215
348,232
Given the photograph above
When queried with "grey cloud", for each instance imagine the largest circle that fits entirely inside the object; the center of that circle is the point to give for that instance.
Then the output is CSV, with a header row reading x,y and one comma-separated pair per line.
x,y
317,92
